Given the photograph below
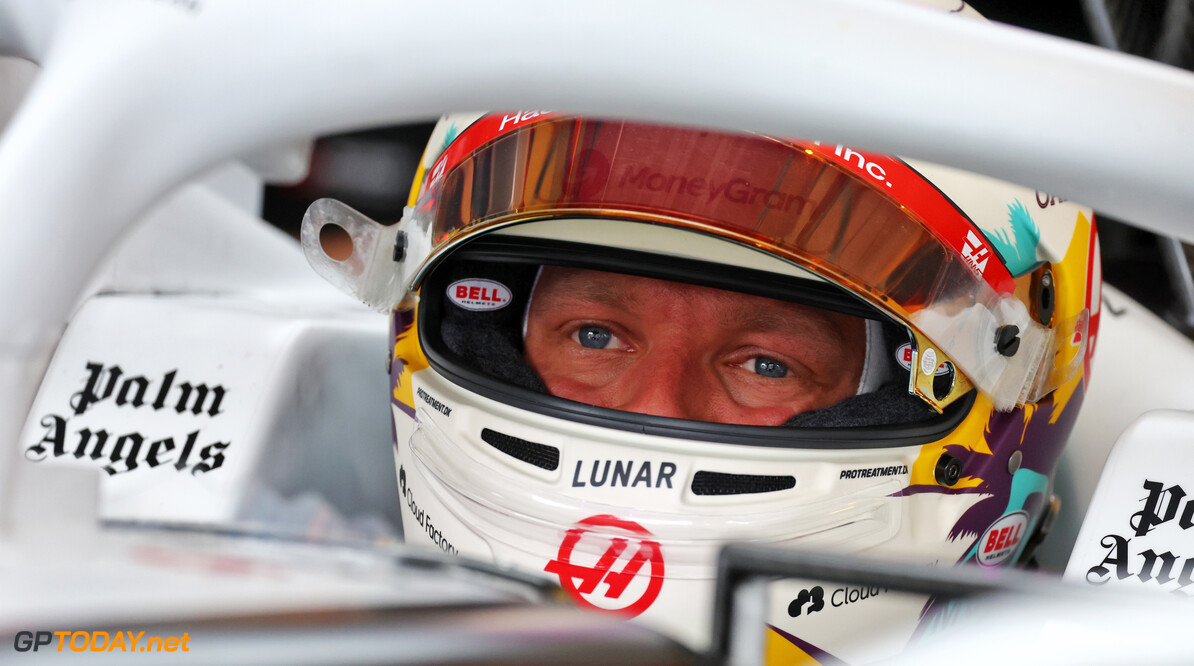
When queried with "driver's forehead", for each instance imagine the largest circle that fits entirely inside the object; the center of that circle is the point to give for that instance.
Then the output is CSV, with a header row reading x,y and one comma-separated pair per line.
x,y
561,292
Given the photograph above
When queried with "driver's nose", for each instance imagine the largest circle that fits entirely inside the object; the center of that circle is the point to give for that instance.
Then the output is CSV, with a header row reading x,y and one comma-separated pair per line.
x,y
668,383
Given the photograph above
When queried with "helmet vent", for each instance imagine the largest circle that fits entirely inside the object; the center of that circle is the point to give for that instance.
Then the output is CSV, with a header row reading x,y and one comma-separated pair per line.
x,y
717,483
539,455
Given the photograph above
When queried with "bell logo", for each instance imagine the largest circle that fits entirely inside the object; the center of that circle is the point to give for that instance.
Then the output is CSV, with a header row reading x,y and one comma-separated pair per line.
x,y
1002,539
479,295
975,253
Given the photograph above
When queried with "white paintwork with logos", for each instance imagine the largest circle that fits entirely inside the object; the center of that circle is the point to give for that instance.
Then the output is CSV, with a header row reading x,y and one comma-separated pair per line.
x,y
223,338
210,425
150,391
1139,530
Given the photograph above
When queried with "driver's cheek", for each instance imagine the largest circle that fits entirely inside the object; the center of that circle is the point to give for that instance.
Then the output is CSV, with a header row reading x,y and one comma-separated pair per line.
x,y
760,416
643,383
755,401
706,399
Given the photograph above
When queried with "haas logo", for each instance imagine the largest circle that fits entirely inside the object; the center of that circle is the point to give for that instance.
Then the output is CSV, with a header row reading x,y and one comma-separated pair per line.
x,y
815,598
629,571
975,253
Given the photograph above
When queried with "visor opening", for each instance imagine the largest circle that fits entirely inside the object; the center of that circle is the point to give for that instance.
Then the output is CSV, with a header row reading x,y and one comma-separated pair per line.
x,y
482,350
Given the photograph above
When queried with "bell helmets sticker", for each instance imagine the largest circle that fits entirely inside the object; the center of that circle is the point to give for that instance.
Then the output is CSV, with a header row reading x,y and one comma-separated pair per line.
x,y
479,294
629,569
1002,539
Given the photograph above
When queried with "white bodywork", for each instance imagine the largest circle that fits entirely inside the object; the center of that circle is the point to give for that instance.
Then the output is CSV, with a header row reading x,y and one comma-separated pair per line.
x,y
1142,364
202,400
1138,530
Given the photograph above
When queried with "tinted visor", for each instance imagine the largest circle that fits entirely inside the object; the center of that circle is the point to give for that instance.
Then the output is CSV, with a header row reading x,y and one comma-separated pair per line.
x,y
854,219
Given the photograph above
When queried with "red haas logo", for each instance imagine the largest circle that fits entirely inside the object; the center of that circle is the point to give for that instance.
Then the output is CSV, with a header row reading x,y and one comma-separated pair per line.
x,y
975,253
630,569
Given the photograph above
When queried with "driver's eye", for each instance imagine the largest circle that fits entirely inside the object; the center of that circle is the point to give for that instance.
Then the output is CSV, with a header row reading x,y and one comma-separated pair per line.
x,y
594,337
769,367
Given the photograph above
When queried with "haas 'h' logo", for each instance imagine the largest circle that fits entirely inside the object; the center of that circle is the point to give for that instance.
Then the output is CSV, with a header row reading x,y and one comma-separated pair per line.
x,y
975,253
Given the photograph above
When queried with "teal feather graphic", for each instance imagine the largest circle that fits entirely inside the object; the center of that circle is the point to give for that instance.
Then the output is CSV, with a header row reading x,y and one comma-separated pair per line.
x,y
1018,248
450,136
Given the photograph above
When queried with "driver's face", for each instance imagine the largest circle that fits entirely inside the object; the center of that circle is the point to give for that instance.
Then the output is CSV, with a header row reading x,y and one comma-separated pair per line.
x,y
670,349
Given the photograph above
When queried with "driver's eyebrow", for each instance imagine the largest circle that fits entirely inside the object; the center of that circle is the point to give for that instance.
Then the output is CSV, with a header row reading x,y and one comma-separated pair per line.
x,y
586,288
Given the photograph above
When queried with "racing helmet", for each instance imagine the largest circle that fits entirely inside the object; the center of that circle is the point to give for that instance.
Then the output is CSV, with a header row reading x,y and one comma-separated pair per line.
x,y
967,310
